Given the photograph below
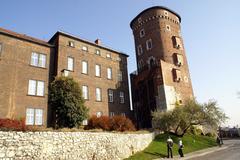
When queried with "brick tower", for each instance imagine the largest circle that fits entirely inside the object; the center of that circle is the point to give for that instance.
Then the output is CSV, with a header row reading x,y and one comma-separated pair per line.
x,y
162,78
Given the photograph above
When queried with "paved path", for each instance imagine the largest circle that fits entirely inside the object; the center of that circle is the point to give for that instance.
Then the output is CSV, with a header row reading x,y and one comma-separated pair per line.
x,y
230,151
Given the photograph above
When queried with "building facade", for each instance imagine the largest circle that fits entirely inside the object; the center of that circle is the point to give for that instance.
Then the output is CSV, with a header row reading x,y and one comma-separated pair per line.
x,y
28,65
162,78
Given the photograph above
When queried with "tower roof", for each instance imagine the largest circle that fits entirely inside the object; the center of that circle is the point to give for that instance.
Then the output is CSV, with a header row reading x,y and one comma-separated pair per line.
x,y
155,7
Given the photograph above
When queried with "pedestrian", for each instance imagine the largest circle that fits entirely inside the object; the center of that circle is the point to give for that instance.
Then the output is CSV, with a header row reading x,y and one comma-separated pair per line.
x,y
218,141
180,147
169,147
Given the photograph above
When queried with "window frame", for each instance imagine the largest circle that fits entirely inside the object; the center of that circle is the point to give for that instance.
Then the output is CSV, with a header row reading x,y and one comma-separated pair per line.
x,y
34,117
36,88
38,60
139,49
109,56
142,33
71,44
110,96
98,52
121,97
85,48
72,69
98,99
109,73
87,92
120,76
86,62
97,75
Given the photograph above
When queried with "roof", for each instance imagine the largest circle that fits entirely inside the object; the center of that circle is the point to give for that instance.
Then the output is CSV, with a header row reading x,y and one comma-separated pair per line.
x,y
24,37
155,7
85,41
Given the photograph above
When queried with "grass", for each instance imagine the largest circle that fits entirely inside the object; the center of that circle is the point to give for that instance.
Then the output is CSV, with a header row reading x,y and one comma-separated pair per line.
x,y
158,148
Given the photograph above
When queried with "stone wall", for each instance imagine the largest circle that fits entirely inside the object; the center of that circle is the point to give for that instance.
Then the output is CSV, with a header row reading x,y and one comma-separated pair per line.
x,y
71,145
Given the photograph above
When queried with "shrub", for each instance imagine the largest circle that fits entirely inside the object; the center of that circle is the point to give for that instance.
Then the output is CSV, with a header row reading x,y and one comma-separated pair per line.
x,y
98,123
121,123
12,125
115,123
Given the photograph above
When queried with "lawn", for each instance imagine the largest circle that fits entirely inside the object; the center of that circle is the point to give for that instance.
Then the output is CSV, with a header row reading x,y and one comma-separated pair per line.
x,y
158,148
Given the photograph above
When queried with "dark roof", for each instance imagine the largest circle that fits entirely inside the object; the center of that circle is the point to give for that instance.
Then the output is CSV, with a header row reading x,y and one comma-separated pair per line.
x,y
24,37
155,7
85,41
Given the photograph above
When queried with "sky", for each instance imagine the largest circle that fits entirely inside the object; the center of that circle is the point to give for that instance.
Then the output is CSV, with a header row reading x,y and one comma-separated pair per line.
x,y
210,29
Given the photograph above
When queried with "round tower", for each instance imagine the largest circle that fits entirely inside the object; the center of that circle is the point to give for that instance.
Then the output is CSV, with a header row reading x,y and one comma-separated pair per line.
x,y
161,59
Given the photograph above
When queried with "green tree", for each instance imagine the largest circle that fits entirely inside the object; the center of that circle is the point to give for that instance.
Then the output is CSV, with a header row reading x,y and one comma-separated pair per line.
x,y
66,100
181,118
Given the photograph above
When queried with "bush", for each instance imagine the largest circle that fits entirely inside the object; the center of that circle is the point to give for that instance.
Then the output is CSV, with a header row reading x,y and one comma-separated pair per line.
x,y
12,125
121,123
115,123
209,134
98,123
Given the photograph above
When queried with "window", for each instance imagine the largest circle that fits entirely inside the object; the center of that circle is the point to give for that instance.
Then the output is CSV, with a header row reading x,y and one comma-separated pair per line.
x,y
121,97
109,55
98,94
178,59
84,48
139,20
110,95
38,60
177,75
118,59
34,116
142,33
70,63
168,27
71,44
111,114
140,64
99,114
140,50
166,13
177,42
84,67
123,114
97,70
35,88
85,92
119,76
149,44
98,52
109,73
0,49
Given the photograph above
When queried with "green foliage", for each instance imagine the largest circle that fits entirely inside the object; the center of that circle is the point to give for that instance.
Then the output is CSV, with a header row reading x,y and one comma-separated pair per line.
x,y
158,149
65,98
181,118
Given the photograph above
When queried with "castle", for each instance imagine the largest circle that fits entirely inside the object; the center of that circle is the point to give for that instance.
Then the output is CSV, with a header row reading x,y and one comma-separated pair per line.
x,y
28,65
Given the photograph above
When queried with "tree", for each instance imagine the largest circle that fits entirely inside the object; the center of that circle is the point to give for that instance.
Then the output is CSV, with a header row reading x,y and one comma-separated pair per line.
x,y
181,118
65,98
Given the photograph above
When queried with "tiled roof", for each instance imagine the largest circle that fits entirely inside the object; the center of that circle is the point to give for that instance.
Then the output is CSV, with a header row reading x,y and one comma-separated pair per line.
x,y
24,37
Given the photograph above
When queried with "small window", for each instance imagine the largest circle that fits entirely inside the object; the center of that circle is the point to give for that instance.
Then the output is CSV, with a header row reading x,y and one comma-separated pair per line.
x,y
99,114
142,33
177,42
140,64
109,55
98,52
119,59
85,122
178,59
121,97
109,73
168,28
97,70
98,94
34,116
149,44
166,13
38,60
111,114
70,63
35,88
71,44
139,50
85,48
139,20
120,77
85,92
84,67
110,95
177,75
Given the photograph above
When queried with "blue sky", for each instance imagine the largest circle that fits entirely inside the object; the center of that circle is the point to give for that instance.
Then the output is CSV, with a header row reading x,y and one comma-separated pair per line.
x,y
210,28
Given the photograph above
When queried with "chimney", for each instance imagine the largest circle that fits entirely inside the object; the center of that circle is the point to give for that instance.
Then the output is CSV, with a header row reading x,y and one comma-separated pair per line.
x,y
98,41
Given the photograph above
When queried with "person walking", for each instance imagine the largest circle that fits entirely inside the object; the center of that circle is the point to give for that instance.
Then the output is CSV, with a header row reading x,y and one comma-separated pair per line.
x,y
180,147
169,147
